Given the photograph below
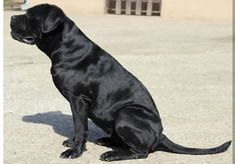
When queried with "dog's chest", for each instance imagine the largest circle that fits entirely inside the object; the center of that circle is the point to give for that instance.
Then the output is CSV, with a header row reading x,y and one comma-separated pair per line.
x,y
69,82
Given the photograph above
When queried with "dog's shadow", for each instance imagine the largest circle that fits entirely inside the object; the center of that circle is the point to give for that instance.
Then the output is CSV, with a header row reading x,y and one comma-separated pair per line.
x,y
63,124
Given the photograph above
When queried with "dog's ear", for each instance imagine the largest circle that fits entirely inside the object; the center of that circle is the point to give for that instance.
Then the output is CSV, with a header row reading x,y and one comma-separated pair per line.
x,y
51,21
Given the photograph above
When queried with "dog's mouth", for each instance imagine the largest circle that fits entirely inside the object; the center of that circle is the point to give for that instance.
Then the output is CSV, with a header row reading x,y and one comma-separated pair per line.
x,y
28,39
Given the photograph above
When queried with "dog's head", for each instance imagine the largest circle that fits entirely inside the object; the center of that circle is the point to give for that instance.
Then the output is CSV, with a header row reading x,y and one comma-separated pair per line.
x,y
36,22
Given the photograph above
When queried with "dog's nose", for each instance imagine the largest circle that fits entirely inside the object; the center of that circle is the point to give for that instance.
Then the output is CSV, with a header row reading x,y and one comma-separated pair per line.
x,y
13,18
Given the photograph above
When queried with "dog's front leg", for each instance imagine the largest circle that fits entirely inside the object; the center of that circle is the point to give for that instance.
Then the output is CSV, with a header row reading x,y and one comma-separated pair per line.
x,y
79,108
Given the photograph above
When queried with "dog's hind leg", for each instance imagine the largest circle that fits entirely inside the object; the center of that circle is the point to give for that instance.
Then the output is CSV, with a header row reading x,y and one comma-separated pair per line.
x,y
135,130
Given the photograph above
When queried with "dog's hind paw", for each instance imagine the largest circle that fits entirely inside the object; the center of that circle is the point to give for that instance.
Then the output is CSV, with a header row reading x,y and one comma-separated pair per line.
x,y
108,156
108,142
121,155
105,141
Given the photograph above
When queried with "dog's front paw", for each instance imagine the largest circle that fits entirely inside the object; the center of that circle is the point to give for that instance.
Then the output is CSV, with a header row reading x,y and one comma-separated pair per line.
x,y
68,142
71,153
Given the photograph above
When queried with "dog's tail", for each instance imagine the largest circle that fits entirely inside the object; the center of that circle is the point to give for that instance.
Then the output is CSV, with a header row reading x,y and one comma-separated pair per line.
x,y
169,146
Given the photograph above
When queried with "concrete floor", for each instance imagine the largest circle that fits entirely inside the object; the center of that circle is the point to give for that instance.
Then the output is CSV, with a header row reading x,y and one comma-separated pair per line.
x,y
186,65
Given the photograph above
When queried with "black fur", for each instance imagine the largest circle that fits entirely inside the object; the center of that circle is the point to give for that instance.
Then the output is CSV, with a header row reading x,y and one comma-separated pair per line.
x,y
97,87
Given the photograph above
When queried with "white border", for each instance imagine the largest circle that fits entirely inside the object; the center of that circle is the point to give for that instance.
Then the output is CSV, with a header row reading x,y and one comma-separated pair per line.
x,y
1,81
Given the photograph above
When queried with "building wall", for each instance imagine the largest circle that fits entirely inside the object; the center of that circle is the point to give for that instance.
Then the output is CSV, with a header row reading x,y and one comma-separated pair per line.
x,y
83,7
191,9
198,9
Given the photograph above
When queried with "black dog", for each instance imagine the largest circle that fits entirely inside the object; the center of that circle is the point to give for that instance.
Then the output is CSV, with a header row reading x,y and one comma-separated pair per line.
x,y
97,87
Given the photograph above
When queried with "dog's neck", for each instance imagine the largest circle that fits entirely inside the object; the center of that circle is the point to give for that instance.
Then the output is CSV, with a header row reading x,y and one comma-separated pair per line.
x,y
57,44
